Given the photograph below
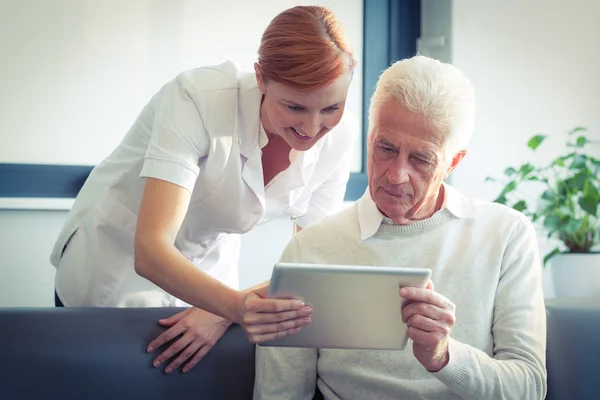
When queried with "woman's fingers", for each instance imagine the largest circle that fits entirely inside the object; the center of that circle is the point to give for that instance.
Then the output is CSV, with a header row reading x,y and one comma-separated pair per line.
x,y
255,318
173,349
269,319
187,352
173,319
277,327
165,337
267,337
257,304
197,357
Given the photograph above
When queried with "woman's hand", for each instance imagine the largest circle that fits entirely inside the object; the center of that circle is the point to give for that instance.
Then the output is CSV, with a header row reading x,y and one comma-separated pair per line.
x,y
266,319
199,331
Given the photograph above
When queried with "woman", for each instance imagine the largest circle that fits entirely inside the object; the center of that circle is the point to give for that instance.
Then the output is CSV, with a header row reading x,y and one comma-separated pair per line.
x,y
220,151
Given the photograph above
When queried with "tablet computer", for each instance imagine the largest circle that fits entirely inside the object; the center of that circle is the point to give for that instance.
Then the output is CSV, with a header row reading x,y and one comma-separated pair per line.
x,y
354,307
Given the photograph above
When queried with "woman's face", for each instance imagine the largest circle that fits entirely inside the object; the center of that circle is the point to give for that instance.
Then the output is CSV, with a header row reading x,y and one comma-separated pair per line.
x,y
301,118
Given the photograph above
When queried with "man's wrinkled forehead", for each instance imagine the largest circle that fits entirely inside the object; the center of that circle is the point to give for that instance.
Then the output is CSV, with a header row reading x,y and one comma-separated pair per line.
x,y
395,123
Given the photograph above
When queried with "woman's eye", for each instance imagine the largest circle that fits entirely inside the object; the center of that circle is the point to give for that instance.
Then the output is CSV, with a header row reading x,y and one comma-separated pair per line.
x,y
295,108
330,109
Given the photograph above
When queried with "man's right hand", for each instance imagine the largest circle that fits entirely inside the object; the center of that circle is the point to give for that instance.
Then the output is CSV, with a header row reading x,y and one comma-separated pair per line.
x,y
265,319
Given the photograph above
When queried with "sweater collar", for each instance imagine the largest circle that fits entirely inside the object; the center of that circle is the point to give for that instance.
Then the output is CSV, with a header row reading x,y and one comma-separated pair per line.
x,y
370,218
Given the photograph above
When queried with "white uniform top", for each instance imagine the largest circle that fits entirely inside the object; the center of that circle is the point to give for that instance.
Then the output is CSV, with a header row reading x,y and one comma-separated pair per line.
x,y
201,131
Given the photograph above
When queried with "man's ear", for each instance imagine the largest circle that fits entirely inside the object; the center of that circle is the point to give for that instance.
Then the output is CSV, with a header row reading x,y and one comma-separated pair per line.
x,y
259,78
455,161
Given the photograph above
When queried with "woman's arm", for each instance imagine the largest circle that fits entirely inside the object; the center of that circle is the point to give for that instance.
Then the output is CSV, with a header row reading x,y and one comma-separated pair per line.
x,y
156,258
162,210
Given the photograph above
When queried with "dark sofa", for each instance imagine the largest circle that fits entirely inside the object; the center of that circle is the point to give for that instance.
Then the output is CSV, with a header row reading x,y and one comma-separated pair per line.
x,y
99,353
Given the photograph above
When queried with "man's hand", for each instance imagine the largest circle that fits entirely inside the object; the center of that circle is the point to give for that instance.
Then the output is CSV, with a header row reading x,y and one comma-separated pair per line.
x,y
266,319
199,331
430,318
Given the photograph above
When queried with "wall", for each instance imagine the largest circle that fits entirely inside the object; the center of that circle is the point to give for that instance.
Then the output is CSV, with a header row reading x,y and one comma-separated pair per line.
x,y
74,75
535,66
27,277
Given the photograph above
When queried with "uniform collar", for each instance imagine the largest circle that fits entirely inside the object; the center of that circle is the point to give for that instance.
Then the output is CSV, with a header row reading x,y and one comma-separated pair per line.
x,y
370,218
249,113
252,138
250,134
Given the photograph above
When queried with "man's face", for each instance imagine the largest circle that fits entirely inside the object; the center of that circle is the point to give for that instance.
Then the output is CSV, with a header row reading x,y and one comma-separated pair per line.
x,y
406,164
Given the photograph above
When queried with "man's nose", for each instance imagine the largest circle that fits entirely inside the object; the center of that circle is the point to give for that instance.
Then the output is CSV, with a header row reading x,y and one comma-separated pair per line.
x,y
398,172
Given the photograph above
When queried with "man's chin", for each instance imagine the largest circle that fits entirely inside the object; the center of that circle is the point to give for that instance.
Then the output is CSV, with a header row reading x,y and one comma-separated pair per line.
x,y
392,211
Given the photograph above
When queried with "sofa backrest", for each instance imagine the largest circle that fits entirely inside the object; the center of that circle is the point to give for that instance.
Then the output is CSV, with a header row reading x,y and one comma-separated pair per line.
x,y
100,353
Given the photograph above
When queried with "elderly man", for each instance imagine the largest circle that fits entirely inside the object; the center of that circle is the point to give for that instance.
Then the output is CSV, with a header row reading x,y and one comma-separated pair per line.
x,y
480,334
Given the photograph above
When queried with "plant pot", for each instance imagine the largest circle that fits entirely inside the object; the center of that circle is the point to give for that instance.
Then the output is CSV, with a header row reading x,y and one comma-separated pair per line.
x,y
576,274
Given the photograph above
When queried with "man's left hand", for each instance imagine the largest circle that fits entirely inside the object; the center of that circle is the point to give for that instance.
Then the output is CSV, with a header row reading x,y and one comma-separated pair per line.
x,y
430,318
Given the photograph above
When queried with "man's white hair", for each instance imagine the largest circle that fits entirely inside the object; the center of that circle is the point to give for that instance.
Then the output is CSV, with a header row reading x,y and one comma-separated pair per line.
x,y
438,91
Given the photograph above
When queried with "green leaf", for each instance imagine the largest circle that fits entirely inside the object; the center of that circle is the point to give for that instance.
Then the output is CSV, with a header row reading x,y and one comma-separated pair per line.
x,y
535,141
589,190
510,171
525,170
520,205
490,179
578,129
581,141
550,255
579,161
501,199
548,195
574,225
552,223
588,204
578,180
511,186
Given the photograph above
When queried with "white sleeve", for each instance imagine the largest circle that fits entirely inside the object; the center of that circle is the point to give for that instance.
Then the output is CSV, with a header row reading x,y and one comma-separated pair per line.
x,y
284,372
518,368
328,198
178,138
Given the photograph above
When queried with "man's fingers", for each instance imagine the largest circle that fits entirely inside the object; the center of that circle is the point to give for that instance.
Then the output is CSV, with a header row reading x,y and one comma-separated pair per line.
x,y
430,285
426,296
197,357
426,324
165,337
425,309
429,340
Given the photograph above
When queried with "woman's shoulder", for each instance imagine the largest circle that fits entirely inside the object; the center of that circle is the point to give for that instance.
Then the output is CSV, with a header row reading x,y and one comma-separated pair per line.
x,y
224,76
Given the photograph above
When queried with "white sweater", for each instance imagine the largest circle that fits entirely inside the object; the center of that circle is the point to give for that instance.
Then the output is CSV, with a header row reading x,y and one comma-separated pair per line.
x,y
484,258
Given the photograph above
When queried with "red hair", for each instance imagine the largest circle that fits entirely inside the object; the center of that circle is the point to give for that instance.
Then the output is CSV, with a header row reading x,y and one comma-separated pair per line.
x,y
306,48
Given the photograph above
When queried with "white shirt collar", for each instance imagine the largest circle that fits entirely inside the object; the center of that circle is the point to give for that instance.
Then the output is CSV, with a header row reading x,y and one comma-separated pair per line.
x,y
370,218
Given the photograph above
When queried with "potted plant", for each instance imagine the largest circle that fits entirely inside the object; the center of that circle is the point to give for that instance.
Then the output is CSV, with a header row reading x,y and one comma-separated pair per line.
x,y
567,208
